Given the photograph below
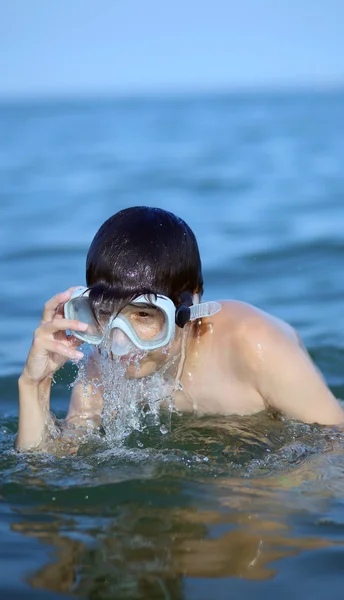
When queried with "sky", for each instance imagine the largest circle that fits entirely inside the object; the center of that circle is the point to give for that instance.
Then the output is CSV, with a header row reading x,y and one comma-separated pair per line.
x,y
116,47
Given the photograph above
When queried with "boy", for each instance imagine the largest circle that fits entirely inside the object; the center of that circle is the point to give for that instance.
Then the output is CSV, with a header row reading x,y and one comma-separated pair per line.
x,y
144,284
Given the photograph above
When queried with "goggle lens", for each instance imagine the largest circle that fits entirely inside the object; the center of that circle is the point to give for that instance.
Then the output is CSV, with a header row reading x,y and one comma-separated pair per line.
x,y
147,321
80,310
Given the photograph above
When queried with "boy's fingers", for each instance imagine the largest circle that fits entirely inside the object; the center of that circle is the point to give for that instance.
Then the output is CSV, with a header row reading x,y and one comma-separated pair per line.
x,y
58,324
63,350
53,304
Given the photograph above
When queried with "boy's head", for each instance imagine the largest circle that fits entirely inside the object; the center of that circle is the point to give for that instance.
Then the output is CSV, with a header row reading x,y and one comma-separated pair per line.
x,y
144,250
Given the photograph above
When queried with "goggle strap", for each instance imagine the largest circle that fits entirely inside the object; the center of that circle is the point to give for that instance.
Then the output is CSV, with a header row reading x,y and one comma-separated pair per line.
x,y
184,313
204,309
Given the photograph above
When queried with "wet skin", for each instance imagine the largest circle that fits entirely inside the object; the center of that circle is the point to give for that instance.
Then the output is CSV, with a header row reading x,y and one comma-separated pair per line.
x,y
240,361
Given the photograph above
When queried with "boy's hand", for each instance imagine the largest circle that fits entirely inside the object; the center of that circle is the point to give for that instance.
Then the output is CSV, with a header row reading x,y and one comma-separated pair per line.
x,y
51,347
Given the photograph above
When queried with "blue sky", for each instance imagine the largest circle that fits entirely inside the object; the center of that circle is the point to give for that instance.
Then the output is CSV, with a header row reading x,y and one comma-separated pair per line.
x,y
50,47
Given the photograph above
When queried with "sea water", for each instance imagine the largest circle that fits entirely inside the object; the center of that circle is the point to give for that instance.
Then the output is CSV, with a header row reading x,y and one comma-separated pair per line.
x,y
176,506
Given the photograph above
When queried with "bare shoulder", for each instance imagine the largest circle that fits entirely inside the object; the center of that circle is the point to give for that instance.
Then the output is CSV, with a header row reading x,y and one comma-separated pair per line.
x,y
249,325
269,353
250,336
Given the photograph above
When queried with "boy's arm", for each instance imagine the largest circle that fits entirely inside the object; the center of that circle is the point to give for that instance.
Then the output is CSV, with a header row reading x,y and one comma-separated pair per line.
x,y
36,424
34,412
288,380
50,349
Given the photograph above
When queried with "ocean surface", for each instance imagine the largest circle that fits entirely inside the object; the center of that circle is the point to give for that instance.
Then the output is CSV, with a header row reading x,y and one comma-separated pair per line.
x,y
221,507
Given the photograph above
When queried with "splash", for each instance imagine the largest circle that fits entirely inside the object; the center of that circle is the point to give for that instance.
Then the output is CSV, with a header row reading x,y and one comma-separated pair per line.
x,y
133,404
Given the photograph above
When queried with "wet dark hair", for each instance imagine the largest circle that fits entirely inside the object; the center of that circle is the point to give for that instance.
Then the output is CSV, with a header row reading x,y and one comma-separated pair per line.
x,y
143,250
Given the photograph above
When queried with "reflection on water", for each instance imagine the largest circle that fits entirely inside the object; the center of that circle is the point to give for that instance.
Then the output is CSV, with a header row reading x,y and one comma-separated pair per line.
x,y
214,498
144,553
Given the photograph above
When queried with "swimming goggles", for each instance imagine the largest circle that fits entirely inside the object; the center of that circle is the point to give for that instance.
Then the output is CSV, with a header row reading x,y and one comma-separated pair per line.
x,y
147,322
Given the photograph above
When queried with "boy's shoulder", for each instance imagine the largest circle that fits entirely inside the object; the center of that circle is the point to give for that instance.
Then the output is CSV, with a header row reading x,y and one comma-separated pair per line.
x,y
246,325
249,344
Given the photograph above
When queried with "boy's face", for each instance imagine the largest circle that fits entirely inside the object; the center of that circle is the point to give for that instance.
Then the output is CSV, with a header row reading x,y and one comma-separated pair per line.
x,y
131,336
146,323
141,364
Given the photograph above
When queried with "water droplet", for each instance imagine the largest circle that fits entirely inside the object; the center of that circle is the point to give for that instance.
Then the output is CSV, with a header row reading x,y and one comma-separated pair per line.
x,y
163,429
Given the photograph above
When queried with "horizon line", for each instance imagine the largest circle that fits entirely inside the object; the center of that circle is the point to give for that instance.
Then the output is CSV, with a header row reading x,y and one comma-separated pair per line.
x,y
172,93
